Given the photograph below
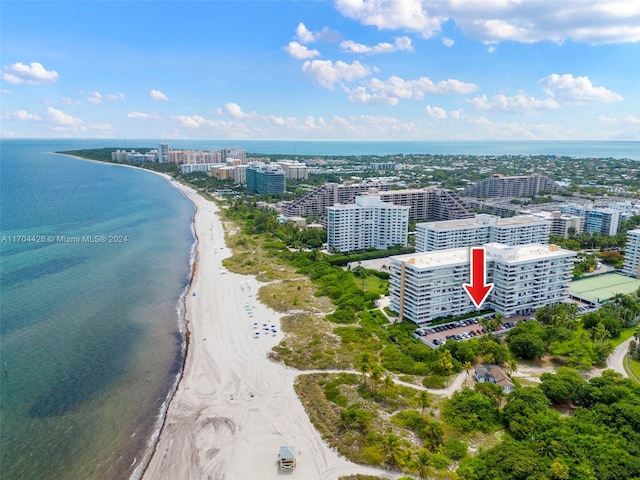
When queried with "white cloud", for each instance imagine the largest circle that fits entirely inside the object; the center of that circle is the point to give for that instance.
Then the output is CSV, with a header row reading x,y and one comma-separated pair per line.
x,y
492,21
360,95
94,97
389,91
23,116
588,21
32,74
6,92
191,121
235,111
277,120
143,115
436,112
158,95
627,120
400,43
306,36
115,96
62,119
398,87
299,51
393,14
447,42
519,103
326,73
576,89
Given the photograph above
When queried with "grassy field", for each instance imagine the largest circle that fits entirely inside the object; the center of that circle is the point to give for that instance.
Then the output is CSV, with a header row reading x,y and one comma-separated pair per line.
x,y
603,287
635,368
625,333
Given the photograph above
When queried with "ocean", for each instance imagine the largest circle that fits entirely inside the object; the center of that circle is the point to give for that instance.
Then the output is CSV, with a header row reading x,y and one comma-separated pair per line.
x,y
94,261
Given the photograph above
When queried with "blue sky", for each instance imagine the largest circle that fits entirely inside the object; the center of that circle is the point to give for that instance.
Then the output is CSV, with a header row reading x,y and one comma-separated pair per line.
x,y
343,69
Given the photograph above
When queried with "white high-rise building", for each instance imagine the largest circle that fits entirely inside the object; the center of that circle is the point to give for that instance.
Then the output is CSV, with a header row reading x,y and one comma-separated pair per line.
x,y
426,286
369,223
632,254
468,232
163,153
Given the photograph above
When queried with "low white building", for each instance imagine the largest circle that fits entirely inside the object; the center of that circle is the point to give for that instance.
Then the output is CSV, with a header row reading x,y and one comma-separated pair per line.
x,y
467,232
426,286
632,254
197,167
368,223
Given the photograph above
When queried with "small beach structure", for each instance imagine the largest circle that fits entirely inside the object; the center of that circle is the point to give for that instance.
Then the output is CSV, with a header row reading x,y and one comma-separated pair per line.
x,y
287,458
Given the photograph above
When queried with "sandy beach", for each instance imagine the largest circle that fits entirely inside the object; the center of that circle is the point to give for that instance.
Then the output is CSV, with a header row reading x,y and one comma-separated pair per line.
x,y
233,408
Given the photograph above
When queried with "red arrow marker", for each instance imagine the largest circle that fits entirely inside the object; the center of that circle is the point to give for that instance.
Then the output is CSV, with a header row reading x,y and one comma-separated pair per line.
x,y
477,290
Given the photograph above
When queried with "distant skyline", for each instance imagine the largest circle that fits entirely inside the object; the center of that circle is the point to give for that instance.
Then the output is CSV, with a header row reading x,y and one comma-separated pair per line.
x,y
344,70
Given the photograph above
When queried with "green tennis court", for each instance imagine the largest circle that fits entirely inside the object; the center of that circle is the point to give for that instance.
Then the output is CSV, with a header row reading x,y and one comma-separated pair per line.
x,y
603,287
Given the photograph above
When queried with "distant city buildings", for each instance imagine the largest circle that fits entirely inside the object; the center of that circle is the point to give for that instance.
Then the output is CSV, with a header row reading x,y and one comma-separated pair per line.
x,y
315,203
369,223
163,153
514,186
293,170
233,153
561,224
596,219
133,156
265,179
426,286
430,203
197,167
481,229
632,254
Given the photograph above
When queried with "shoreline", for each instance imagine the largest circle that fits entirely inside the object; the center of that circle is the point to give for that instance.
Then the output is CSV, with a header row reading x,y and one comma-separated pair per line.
x,y
231,403
203,431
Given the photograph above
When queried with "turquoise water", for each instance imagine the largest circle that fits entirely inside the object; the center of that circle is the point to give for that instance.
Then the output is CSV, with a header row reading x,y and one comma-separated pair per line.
x,y
90,332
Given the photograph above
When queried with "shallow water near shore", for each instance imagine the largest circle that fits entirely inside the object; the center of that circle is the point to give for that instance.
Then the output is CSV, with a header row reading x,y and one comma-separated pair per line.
x,y
91,340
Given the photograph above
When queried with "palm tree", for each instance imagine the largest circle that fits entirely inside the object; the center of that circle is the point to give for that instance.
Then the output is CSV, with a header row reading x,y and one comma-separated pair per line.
x,y
421,464
365,365
513,366
467,366
388,385
544,315
636,333
433,434
424,400
392,449
446,363
375,376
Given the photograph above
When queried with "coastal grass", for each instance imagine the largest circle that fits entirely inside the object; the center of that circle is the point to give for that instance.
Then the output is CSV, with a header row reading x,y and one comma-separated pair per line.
x,y
309,344
378,423
294,294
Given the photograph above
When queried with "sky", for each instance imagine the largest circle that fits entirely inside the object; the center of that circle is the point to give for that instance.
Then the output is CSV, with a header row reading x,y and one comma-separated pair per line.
x,y
425,70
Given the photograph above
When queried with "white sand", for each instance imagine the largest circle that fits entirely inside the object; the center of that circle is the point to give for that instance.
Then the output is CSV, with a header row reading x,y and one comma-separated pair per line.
x,y
234,408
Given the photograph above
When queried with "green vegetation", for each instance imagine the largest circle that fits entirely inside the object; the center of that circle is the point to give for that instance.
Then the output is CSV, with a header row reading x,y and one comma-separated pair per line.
x,y
600,440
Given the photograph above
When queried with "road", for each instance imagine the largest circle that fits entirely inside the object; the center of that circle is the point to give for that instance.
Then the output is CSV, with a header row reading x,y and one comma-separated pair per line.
x,y
615,361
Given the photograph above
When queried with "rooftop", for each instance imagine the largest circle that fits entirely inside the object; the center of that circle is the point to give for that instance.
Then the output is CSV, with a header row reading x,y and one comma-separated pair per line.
x,y
494,251
482,220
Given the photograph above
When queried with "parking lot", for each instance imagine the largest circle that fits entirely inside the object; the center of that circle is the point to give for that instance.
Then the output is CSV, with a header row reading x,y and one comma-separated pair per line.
x,y
436,335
